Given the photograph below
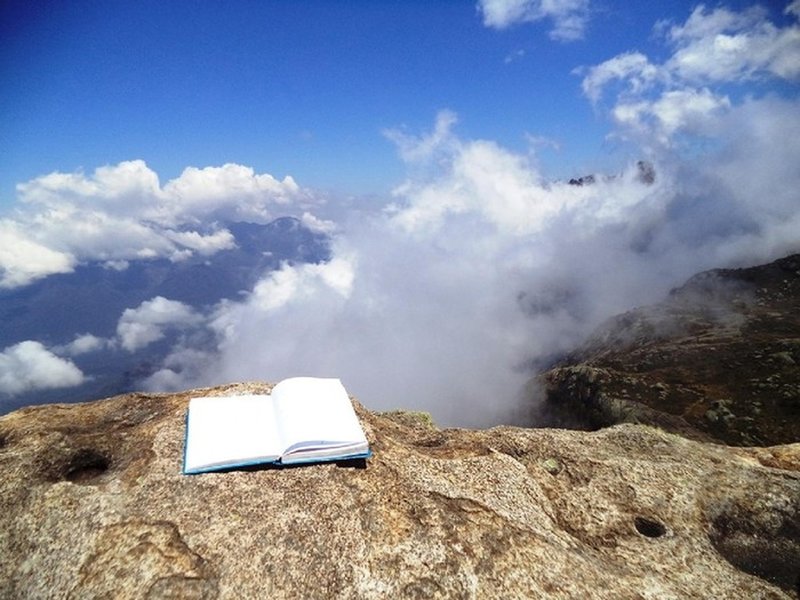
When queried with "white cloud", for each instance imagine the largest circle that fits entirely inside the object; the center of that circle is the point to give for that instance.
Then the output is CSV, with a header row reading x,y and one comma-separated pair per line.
x,y
29,366
83,344
759,166
569,17
289,283
108,185
659,104
94,234
232,189
632,67
415,149
722,45
182,364
141,326
203,244
121,213
23,260
506,191
277,289
689,110
313,223
482,267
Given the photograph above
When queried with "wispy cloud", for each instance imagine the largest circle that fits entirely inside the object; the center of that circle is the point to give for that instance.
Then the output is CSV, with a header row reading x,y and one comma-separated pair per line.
x,y
569,17
416,149
514,56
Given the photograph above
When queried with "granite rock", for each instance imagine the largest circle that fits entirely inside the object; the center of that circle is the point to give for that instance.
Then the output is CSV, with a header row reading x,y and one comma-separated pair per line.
x,y
93,505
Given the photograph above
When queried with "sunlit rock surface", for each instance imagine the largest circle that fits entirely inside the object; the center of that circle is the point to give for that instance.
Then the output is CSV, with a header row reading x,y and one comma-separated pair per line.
x,y
718,360
93,505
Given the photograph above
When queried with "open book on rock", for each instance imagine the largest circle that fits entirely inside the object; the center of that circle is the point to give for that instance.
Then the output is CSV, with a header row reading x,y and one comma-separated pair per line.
x,y
304,419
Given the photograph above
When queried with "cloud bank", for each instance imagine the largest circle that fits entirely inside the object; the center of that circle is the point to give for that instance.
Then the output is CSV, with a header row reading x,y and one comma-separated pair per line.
x,y
122,213
481,268
446,301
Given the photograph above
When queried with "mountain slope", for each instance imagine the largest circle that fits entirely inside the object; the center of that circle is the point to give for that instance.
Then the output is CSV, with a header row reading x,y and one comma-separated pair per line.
x,y
719,359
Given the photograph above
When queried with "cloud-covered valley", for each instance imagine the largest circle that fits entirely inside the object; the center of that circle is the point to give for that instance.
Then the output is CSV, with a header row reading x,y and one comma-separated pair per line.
x,y
478,269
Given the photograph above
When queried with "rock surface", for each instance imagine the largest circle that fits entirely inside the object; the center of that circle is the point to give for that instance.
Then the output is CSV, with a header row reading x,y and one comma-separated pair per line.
x,y
93,505
718,360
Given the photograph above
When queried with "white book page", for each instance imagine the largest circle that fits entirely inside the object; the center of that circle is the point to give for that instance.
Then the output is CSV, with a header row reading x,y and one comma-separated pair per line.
x,y
231,430
316,412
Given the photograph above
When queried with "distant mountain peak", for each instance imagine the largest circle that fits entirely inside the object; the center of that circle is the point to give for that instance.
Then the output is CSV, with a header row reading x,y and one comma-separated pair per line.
x,y
645,173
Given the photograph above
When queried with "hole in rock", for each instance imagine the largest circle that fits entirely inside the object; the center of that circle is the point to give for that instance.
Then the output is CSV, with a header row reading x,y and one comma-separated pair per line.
x,y
649,527
86,465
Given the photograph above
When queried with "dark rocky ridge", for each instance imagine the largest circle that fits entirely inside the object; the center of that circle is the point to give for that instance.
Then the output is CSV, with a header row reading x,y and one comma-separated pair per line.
x,y
718,360
645,173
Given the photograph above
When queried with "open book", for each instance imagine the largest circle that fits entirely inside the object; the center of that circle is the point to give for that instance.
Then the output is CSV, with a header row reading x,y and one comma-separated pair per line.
x,y
304,419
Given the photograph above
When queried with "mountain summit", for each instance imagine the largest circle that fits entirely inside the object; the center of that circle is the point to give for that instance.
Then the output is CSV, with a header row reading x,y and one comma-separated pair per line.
x,y
93,504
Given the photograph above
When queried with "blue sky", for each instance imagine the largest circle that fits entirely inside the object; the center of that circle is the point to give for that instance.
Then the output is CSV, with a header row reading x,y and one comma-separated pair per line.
x,y
432,141
303,88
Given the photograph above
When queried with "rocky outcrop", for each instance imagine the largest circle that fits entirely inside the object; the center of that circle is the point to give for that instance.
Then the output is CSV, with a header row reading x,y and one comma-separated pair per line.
x,y
718,360
93,505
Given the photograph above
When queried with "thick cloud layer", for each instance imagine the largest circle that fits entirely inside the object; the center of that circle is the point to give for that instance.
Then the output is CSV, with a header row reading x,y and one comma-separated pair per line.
x,y
481,268
446,300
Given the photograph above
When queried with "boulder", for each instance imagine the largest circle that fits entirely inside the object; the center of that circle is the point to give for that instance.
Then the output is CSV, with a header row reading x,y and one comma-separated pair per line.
x,y
93,505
